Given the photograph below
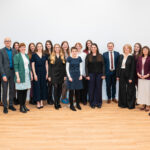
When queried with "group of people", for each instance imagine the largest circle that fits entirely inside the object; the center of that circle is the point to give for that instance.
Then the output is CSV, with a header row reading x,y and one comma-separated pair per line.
x,y
58,73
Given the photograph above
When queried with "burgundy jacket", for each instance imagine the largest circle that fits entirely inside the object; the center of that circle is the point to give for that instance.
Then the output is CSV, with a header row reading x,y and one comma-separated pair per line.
x,y
146,66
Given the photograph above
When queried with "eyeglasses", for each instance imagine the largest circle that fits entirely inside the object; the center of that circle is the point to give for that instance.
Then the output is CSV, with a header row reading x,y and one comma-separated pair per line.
x,y
7,41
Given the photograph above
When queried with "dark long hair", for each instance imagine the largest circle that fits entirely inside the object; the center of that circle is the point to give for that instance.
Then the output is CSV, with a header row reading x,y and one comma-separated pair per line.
x,y
36,50
86,47
46,49
68,50
140,46
15,44
98,55
29,50
145,47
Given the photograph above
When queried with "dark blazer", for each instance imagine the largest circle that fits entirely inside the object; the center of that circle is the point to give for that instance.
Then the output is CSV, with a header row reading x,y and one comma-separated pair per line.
x,y
107,61
146,66
129,67
57,71
4,61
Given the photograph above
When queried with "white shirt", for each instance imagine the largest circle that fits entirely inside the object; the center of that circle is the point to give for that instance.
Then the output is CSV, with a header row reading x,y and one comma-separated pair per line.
x,y
123,66
110,60
26,61
83,56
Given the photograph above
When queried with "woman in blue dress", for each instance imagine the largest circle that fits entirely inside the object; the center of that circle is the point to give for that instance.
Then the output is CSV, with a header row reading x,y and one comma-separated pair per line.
x,y
40,73
74,73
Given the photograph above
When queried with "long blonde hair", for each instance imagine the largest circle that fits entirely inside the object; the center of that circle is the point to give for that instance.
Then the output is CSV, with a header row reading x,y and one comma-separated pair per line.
x,y
53,55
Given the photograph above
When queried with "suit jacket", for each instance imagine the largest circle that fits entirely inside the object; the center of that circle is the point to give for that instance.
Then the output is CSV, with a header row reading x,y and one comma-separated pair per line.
x,y
107,61
4,62
19,67
129,67
146,66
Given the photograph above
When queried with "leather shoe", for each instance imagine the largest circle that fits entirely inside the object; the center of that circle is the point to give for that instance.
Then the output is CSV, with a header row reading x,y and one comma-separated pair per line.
x,y
12,108
5,111
22,109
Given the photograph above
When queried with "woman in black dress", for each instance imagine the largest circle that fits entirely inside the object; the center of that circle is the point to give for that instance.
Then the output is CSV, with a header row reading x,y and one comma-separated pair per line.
x,y
31,50
126,77
57,73
48,52
40,73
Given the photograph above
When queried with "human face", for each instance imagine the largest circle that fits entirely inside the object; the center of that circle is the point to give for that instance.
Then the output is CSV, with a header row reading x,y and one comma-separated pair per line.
x,y
65,46
7,42
89,44
136,48
126,50
145,52
22,49
57,49
39,47
94,49
16,46
32,47
48,45
78,47
74,53
110,47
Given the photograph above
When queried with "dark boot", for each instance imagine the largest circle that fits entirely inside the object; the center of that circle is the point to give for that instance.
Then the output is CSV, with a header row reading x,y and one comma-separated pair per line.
x,y
22,109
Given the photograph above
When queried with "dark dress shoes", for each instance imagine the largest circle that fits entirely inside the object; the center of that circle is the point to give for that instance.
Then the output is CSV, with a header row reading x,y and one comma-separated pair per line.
x,y
12,108
72,108
78,106
5,111
22,109
59,105
27,109
56,107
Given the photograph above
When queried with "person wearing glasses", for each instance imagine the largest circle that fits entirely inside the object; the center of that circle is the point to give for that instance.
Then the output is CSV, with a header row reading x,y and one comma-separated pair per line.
x,y
7,72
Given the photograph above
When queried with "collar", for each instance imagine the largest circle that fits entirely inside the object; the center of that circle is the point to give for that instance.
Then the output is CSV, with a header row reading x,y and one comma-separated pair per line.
x,y
8,49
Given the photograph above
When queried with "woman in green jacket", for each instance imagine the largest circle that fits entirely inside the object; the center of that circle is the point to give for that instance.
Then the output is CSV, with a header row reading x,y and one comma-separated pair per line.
x,y
23,76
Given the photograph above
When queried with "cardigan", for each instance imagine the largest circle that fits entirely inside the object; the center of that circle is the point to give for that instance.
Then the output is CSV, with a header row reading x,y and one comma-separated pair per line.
x,y
146,66
19,67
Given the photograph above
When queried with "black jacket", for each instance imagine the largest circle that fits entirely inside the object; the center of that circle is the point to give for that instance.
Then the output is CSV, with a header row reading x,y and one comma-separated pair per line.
x,y
129,67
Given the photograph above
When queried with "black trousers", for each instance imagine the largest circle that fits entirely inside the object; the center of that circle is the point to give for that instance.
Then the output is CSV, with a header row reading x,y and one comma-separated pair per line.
x,y
83,92
77,96
11,85
22,95
57,93
50,90
0,89
111,85
127,92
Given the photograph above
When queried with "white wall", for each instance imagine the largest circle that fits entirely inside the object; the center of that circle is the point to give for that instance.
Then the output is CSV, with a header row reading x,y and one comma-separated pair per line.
x,y
120,21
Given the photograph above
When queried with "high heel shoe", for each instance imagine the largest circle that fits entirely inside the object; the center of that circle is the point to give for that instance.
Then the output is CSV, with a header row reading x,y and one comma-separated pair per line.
x,y
72,108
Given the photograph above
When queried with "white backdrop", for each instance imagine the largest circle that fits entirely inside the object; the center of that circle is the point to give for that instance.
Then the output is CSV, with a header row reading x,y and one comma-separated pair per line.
x,y
120,21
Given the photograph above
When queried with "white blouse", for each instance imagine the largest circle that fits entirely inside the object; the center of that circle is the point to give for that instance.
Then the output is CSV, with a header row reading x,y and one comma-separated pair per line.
x,y
26,61
123,66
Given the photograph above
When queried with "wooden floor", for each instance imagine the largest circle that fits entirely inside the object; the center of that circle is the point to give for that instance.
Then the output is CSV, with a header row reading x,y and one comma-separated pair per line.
x,y
108,128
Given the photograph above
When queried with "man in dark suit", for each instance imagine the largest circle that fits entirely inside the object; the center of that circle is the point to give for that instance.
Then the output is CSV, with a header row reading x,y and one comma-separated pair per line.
x,y
7,72
111,60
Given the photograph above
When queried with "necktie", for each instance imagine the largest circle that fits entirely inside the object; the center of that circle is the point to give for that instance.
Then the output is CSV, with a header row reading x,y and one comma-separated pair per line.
x,y
112,64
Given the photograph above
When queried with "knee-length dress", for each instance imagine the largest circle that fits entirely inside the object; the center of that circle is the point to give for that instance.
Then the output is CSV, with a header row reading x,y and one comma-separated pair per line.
x,y
40,86
73,70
